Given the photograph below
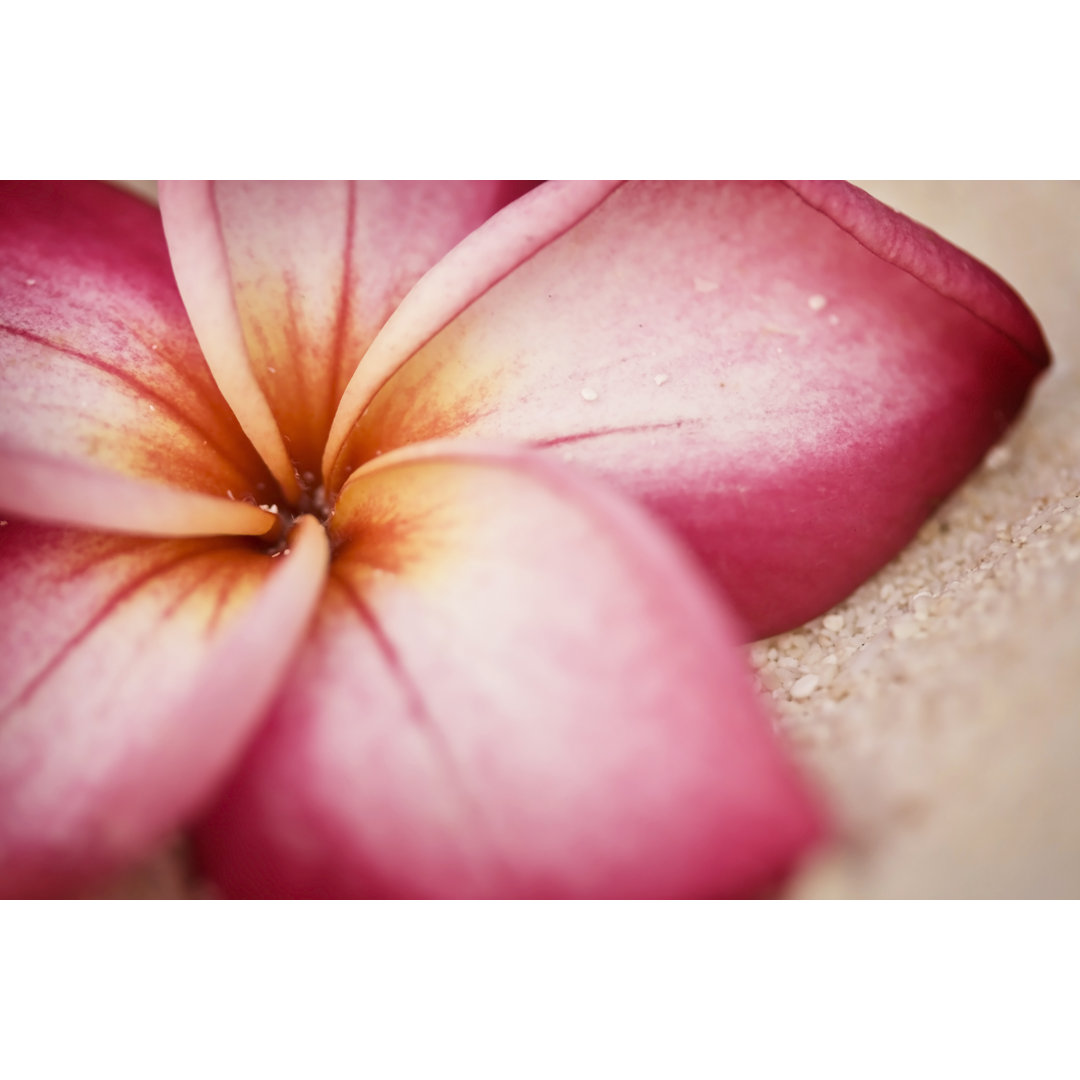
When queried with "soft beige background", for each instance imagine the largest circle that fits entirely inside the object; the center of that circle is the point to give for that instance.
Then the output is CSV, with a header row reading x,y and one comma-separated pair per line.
x,y
939,707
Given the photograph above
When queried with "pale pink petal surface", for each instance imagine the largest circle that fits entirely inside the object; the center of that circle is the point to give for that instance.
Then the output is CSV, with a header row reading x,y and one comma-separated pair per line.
x,y
516,685
478,262
99,368
792,377
287,284
132,673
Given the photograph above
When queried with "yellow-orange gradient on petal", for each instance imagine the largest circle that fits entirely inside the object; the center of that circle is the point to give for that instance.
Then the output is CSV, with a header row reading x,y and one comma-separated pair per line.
x,y
514,686
132,671
288,283
98,363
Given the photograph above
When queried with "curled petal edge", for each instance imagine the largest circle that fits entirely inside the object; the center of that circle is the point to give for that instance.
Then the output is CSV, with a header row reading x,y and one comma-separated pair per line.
x,y
938,264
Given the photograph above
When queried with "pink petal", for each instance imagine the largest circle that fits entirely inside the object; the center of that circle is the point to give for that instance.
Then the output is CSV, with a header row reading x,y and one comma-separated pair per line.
x,y
478,262
516,686
99,368
791,377
132,673
287,284
66,492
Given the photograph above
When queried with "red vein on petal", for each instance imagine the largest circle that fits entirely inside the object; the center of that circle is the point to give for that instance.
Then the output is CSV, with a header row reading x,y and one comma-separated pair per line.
x,y
125,546
223,593
294,338
298,380
124,592
420,715
225,590
141,389
334,377
443,426
418,710
630,429
180,370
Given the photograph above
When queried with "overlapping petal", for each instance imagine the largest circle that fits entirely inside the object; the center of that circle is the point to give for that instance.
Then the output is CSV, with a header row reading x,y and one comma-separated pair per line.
x,y
132,673
100,373
513,682
287,284
478,262
516,685
791,376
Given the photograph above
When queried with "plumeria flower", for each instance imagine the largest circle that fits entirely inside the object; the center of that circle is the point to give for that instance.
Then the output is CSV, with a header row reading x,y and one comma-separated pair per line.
x,y
401,539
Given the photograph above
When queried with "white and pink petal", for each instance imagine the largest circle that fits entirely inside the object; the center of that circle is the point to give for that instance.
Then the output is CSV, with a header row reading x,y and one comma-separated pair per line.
x,y
516,685
132,673
791,376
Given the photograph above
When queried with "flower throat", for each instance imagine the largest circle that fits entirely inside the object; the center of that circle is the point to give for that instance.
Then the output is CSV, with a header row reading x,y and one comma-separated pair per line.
x,y
312,500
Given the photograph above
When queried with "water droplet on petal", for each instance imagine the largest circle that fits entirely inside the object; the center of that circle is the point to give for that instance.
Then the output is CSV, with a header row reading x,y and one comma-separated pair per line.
x,y
817,302
660,379
589,394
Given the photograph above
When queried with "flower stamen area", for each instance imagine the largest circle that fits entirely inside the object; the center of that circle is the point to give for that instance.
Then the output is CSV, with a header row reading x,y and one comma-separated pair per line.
x,y
312,501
